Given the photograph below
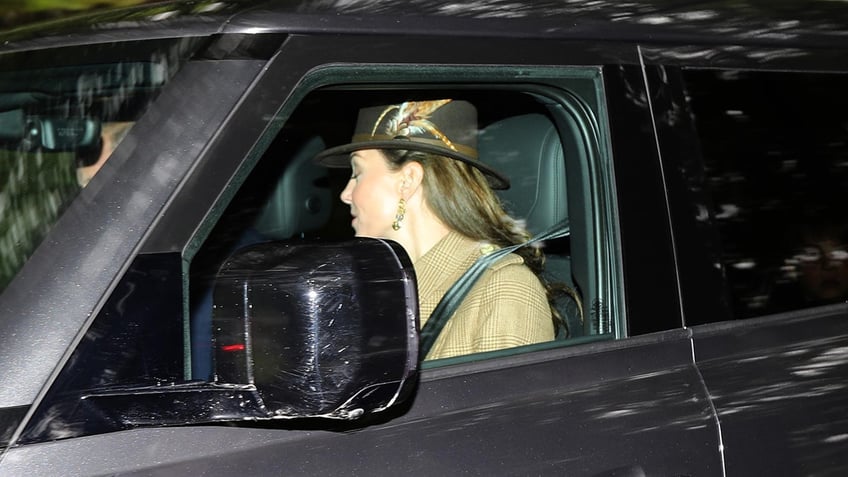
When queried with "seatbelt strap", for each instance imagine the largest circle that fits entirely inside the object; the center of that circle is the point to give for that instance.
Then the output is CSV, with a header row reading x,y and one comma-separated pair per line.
x,y
458,291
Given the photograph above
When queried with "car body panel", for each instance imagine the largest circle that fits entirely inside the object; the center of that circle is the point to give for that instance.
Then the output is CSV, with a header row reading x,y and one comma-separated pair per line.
x,y
777,381
715,22
503,416
677,395
778,384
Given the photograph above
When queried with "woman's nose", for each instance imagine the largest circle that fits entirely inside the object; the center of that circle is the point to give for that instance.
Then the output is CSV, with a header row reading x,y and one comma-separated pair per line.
x,y
346,193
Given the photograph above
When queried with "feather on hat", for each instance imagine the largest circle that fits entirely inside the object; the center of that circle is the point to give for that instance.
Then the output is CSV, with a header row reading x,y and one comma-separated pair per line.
x,y
445,127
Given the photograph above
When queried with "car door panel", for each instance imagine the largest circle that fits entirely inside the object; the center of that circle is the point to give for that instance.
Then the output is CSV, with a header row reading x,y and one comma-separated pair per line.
x,y
777,380
552,412
774,381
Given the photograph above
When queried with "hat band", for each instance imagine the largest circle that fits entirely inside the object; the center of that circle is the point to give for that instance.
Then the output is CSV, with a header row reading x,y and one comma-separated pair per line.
x,y
465,150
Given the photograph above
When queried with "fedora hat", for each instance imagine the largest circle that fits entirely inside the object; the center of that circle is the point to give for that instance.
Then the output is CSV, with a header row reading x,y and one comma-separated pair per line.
x,y
444,127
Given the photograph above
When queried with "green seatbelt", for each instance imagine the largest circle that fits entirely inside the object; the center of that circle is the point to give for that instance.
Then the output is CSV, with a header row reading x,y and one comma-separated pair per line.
x,y
457,292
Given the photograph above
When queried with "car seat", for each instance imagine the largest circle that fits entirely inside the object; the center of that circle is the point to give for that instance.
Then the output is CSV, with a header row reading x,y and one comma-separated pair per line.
x,y
528,149
301,200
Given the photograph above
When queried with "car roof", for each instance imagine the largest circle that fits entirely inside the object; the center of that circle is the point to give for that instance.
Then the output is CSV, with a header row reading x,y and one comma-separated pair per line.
x,y
820,23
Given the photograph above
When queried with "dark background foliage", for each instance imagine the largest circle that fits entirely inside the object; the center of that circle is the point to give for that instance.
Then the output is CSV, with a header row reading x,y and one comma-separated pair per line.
x,y
16,13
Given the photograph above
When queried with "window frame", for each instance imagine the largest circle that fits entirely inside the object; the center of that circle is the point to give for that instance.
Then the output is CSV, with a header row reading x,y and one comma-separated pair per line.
x,y
575,117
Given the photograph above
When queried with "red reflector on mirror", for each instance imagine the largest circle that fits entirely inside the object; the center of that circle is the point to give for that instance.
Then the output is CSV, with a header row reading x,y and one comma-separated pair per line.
x,y
233,347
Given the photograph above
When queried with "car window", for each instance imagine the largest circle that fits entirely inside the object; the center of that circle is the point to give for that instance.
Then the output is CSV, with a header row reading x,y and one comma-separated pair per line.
x,y
289,197
775,147
62,114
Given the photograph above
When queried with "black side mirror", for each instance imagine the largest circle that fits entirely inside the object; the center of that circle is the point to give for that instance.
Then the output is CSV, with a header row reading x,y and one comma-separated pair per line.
x,y
325,330
302,330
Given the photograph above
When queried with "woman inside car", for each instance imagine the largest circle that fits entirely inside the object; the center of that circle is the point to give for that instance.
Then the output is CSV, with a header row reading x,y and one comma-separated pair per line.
x,y
416,179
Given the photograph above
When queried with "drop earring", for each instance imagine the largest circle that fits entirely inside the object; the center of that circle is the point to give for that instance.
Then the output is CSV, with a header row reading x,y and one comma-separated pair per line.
x,y
401,210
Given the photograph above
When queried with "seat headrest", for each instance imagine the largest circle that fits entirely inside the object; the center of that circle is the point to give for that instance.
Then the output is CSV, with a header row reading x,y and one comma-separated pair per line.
x,y
528,150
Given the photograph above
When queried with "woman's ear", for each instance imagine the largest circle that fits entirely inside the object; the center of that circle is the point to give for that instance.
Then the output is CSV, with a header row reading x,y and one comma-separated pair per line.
x,y
412,174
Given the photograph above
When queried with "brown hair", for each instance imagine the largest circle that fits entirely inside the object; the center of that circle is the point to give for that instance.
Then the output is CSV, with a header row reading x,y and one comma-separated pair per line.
x,y
462,199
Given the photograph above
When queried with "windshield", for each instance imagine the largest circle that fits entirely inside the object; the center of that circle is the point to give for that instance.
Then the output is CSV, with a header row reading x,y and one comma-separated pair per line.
x,y
62,114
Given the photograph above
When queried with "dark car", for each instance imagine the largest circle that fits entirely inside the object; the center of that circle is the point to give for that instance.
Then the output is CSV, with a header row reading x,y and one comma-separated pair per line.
x,y
182,293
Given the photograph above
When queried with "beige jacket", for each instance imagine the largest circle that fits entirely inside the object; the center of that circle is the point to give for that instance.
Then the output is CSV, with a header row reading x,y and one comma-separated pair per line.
x,y
506,307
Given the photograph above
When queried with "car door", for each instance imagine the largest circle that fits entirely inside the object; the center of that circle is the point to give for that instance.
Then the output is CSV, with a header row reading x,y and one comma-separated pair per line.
x,y
757,183
620,397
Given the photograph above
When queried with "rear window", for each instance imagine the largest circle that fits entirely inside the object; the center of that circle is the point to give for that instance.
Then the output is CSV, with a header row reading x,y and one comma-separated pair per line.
x,y
775,148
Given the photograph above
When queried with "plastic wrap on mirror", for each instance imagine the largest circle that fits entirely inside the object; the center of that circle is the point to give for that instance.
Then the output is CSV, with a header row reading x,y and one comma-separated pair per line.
x,y
319,329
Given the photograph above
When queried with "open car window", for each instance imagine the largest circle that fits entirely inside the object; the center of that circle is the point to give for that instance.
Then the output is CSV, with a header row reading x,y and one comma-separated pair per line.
x,y
536,136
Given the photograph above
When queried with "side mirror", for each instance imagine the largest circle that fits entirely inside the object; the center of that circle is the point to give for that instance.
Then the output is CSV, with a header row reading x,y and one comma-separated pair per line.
x,y
317,330
301,330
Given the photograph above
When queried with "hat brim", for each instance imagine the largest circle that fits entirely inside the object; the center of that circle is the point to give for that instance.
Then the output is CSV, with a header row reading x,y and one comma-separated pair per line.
x,y
339,157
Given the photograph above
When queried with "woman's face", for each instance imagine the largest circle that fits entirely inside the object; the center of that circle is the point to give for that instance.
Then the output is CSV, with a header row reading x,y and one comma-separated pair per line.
x,y
373,193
